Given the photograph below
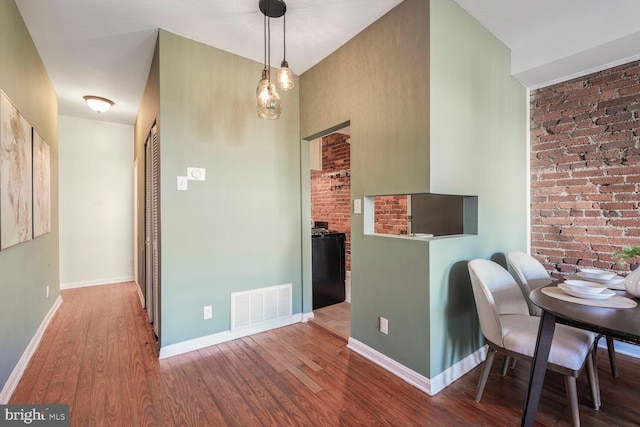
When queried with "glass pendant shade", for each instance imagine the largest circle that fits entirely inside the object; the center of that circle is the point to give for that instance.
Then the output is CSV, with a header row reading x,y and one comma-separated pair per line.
x,y
264,82
268,104
285,77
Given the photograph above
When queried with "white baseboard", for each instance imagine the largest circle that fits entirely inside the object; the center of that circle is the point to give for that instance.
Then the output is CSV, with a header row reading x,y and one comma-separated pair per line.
x,y
430,386
448,376
142,301
307,316
220,337
625,348
97,282
18,370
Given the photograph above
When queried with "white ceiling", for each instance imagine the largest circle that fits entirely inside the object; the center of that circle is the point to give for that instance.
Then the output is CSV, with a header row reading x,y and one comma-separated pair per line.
x,y
557,40
104,47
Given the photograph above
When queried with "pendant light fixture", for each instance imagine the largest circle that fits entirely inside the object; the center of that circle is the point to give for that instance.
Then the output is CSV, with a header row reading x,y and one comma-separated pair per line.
x,y
268,103
285,76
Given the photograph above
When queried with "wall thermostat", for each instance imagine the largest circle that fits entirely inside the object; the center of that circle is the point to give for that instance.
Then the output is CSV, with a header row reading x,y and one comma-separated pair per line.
x,y
196,174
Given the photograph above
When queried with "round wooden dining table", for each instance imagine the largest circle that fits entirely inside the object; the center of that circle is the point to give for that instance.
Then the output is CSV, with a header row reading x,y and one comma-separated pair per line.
x,y
620,323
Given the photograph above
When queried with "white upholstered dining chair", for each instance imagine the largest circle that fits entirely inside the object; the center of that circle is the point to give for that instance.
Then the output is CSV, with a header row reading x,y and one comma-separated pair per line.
x,y
510,329
531,274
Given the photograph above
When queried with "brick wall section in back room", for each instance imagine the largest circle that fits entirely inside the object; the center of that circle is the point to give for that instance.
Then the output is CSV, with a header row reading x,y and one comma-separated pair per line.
x,y
585,169
331,188
391,214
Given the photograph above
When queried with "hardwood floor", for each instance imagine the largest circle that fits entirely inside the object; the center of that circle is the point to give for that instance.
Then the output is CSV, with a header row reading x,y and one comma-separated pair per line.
x,y
98,356
335,319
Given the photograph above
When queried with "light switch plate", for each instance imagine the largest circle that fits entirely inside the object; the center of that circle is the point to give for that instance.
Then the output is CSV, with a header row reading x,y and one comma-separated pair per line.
x,y
357,206
183,183
196,174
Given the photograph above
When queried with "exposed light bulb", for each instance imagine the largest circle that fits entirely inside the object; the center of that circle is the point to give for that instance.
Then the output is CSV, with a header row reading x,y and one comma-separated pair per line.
x,y
268,104
285,77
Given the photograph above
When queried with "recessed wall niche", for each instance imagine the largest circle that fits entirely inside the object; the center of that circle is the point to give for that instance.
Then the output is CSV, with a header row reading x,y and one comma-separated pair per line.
x,y
421,215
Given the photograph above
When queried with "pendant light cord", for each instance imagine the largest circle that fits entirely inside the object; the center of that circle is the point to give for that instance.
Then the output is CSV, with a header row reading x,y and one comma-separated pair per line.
x,y
269,44
264,27
284,36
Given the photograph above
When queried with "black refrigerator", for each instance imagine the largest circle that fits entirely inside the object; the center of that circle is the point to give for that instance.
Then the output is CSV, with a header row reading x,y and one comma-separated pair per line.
x,y
328,268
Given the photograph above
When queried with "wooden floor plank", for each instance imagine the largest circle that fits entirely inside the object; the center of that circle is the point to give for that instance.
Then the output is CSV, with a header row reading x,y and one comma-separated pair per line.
x,y
236,410
211,413
255,393
299,410
98,355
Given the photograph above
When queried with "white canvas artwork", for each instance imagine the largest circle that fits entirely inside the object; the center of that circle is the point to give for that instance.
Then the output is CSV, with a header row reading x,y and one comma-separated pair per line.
x,y
15,176
41,186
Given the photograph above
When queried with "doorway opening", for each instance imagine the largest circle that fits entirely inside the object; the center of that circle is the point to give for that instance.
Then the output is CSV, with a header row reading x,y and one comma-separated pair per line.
x,y
331,231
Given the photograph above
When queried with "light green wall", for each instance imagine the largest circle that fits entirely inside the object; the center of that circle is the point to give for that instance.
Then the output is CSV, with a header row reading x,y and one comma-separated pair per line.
x,y
240,229
379,81
26,269
478,147
432,107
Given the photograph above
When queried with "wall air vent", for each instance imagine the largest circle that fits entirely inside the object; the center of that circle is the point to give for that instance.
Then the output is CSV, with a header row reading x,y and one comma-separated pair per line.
x,y
251,308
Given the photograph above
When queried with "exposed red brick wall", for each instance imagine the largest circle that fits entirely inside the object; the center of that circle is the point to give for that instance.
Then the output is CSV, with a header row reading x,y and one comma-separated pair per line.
x,y
585,169
331,188
391,214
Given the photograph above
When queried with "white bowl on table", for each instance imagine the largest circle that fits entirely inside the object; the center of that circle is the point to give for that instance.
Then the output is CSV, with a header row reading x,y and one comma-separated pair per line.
x,y
586,292
584,286
596,273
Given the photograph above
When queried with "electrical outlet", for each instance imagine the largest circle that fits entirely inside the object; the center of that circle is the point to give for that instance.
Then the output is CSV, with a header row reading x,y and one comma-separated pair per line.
x,y
208,312
384,326
47,291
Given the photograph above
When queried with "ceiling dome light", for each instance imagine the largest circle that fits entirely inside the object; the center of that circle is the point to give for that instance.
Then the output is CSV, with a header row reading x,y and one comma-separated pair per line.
x,y
98,103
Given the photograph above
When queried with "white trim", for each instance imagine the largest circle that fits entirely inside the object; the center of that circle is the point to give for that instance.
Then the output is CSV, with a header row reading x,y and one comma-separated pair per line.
x,y
307,316
98,282
220,337
628,349
21,366
448,376
142,301
430,386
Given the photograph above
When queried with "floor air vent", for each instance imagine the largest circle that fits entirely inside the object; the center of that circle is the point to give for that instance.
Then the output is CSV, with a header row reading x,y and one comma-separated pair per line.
x,y
250,308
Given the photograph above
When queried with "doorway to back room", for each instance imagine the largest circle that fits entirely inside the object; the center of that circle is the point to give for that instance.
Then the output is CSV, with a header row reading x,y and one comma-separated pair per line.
x,y
331,231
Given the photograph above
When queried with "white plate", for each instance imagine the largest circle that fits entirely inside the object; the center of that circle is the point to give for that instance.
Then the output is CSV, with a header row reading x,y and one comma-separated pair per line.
x,y
606,294
617,282
421,235
595,273
585,286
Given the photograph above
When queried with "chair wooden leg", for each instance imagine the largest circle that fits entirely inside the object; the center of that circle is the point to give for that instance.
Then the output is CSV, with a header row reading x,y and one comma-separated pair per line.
x,y
485,373
572,397
594,385
612,356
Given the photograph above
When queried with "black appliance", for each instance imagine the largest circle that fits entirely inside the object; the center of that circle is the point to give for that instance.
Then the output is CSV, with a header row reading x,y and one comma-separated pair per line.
x,y
328,265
